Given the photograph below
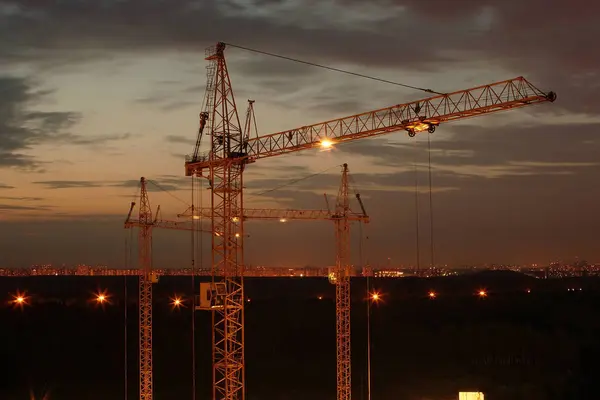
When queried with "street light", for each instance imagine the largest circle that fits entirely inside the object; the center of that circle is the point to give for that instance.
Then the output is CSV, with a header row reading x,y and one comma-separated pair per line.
x,y
176,302
102,297
19,299
374,297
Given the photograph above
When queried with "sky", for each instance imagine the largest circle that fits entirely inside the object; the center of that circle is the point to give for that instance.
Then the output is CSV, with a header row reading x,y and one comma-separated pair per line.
x,y
94,95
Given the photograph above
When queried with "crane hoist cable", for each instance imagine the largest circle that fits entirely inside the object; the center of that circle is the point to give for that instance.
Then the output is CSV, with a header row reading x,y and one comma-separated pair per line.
x,y
430,202
417,234
193,297
334,69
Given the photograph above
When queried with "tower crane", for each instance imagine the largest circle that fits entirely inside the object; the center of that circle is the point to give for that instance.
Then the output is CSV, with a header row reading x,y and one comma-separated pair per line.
x,y
147,277
230,151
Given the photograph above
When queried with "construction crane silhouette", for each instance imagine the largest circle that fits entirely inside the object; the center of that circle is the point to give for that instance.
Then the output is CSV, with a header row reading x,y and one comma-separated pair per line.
x,y
147,277
230,151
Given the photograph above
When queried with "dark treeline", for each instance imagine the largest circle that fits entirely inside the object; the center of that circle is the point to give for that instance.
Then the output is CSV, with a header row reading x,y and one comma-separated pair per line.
x,y
511,345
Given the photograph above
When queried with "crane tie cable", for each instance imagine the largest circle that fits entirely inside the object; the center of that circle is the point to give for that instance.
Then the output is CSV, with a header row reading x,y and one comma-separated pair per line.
x,y
334,69
167,192
295,181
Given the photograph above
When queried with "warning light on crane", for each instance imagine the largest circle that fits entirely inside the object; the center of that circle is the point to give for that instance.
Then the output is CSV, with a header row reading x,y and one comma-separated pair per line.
x,y
375,297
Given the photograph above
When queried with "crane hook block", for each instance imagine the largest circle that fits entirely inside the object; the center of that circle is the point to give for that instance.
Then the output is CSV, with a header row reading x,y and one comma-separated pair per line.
x,y
551,96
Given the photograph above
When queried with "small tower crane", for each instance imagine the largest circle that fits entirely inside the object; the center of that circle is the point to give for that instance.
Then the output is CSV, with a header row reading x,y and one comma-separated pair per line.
x,y
147,277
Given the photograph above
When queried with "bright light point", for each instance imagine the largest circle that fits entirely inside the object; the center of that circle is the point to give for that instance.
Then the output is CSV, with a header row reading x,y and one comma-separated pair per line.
x,y
19,299
283,220
196,217
375,296
528,290
326,144
101,298
482,293
235,219
237,235
176,302
432,295
320,297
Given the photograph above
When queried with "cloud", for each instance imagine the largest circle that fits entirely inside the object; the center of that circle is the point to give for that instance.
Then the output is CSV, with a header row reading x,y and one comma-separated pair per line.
x,y
163,183
20,129
93,140
21,198
4,186
180,139
16,207
490,151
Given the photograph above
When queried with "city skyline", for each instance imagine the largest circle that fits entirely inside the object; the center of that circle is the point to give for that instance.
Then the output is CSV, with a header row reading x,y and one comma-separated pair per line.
x,y
86,110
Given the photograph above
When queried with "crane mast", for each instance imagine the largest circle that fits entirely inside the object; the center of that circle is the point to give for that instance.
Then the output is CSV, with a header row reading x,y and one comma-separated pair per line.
x,y
145,224
230,151
342,290
146,279
223,167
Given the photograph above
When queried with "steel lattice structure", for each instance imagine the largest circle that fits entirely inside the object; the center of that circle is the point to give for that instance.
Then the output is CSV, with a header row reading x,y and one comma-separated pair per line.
x,y
146,223
342,290
224,164
145,293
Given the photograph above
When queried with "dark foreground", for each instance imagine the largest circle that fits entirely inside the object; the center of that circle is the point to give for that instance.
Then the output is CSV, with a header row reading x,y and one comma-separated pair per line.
x,y
511,345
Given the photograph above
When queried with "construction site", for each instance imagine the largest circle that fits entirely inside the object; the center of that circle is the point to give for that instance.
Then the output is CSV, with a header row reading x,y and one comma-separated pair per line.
x,y
225,147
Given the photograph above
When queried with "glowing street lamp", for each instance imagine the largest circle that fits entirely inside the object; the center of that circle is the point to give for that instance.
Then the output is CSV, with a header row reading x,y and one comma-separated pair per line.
x,y
176,302
19,299
375,297
101,297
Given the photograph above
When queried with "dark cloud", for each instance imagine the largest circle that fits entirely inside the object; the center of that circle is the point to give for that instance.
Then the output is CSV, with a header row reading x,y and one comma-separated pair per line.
x,y
16,207
69,184
21,198
20,129
93,140
4,186
550,44
520,149
179,139
163,183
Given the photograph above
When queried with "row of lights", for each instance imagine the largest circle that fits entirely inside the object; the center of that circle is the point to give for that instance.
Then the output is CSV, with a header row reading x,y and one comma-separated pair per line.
x,y
20,299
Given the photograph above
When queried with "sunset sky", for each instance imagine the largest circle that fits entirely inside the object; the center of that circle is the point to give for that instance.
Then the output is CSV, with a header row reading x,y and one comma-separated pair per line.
x,y
96,94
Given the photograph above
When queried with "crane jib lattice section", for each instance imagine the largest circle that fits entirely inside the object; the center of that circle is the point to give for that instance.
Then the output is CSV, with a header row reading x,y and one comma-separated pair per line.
x,y
495,97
